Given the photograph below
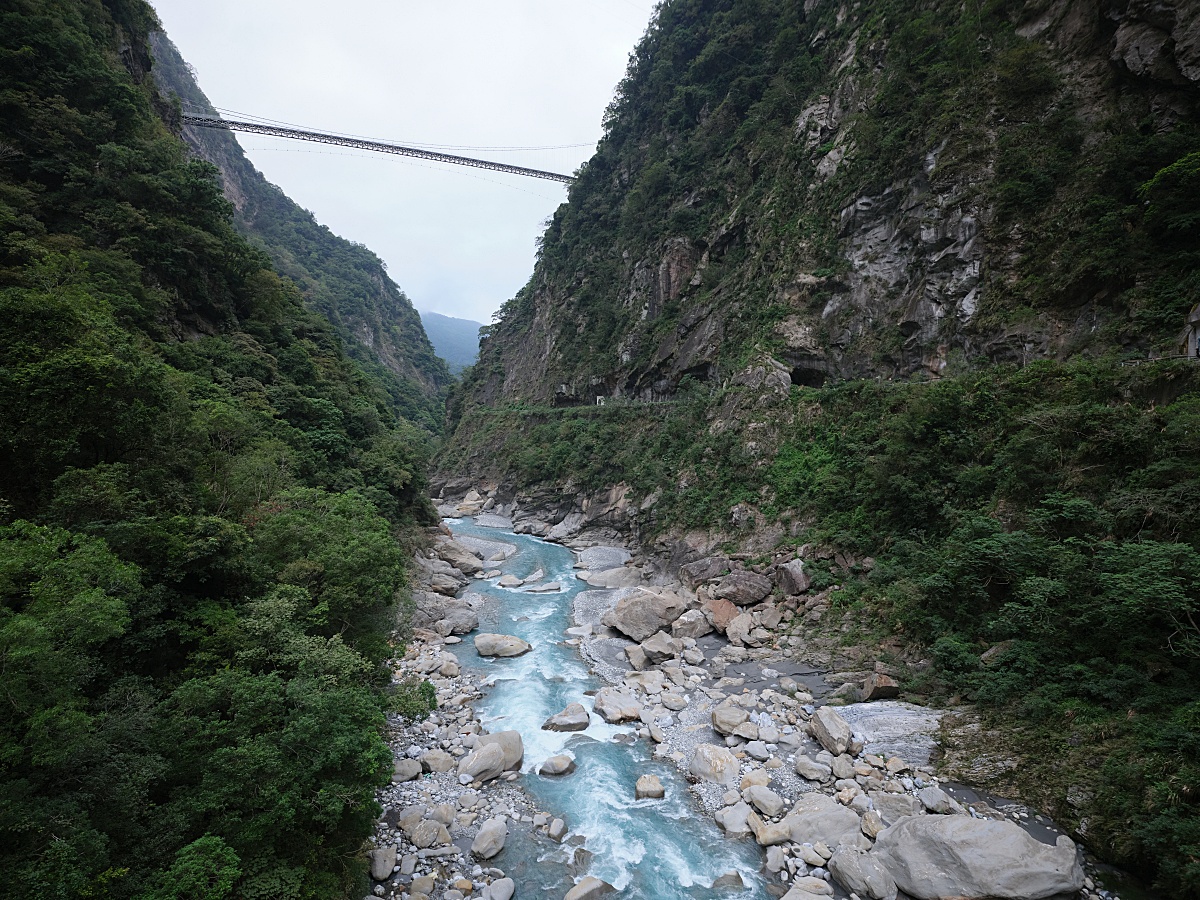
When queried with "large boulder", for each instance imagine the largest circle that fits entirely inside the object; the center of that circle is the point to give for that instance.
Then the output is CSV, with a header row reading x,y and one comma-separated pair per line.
x,y
510,744
482,764
490,839
702,570
500,645
649,787
459,556
743,588
557,765
817,818
831,730
691,624
615,705
765,800
941,857
862,874
791,578
727,717
443,615
877,686
573,718
713,764
588,888
383,860
894,807
660,647
610,579
644,613
738,631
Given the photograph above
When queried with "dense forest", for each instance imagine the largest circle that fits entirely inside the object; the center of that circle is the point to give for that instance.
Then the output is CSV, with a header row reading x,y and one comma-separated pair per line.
x,y
892,274
203,508
343,281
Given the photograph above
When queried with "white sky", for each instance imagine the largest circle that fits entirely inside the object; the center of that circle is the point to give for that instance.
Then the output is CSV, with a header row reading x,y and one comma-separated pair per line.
x,y
467,73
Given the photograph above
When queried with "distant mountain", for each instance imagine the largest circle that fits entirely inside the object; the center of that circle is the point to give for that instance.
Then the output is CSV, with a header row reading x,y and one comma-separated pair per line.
x,y
455,340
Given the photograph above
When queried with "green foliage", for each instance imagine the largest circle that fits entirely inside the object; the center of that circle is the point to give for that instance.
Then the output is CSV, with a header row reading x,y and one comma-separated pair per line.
x,y
413,698
201,497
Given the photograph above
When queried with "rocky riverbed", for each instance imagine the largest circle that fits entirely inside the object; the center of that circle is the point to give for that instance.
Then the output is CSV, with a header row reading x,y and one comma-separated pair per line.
x,y
841,800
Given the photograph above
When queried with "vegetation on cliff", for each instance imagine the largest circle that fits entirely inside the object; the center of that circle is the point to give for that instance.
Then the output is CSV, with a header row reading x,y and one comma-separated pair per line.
x,y
942,236
342,281
200,503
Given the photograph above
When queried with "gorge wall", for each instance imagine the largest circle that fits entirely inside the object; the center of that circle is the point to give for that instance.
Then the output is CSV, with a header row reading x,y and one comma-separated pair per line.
x,y
874,189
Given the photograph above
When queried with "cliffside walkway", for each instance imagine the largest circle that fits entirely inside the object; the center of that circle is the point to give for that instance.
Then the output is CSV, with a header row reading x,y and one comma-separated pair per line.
x,y
321,137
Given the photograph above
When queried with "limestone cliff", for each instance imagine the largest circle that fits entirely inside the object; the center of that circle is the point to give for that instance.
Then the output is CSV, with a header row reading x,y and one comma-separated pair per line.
x,y
878,189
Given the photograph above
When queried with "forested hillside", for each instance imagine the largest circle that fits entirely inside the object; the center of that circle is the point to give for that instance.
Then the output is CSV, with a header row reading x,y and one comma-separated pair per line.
x,y
202,500
891,273
343,281
456,340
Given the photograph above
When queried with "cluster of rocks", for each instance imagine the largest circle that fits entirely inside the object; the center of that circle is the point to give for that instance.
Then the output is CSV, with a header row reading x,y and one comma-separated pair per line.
x,y
770,764
765,760
454,797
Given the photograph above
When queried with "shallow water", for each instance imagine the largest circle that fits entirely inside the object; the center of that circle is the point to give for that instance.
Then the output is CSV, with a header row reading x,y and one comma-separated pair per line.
x,y
652,849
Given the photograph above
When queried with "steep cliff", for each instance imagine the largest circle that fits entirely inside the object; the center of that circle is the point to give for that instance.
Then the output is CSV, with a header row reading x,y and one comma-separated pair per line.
x,y
876,189
872,286
345,282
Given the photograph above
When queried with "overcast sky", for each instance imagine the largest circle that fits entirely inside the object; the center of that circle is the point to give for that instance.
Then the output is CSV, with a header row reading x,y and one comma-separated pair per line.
x,y
457,73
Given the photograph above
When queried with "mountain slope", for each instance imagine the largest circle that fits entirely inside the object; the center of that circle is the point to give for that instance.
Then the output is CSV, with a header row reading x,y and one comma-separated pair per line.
x,y
455,340
873,285
344,281
201,502
883,190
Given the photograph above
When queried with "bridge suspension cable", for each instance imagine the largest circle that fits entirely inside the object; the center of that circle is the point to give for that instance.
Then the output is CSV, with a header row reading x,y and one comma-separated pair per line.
x,y
321,137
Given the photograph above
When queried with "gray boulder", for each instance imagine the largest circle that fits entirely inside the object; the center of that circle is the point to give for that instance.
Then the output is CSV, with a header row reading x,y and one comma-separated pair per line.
x,y
894,807
811,769
691,624
862,874
509,743
765,800
819,819
490,839
715,765
744,588
726,719
940,857
405,770
443,615
791,578
459,556
482,764
735,819
573,718
938,801
500,889
660,647
383,860
644,613
831,730
503,645
557,765
588,888
615,705
649,787
702,570
436,761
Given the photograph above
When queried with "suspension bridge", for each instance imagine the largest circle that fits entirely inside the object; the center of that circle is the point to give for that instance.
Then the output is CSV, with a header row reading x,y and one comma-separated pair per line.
x,y
322,137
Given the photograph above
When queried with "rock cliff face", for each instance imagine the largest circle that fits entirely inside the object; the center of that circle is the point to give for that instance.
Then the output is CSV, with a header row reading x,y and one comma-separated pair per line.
x,y
345,282
861,190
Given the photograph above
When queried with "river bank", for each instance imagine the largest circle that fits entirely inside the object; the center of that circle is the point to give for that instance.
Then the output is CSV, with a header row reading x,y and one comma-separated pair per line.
x,y
743,723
